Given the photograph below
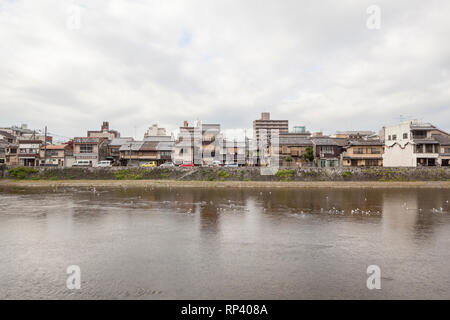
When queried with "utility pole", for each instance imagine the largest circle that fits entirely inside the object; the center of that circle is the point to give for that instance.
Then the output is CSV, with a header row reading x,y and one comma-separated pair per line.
x,y
45,147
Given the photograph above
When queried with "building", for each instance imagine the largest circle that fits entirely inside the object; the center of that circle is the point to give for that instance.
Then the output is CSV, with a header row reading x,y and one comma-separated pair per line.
x,y
60,155
262,135
17,131
363,153
444,151
3,146
136,153
410,144
93,149
232,152
7,137
326,152
262,128
104,132
113,149
155,131
292,147
184,148
211,142
29,153
11,154
163,144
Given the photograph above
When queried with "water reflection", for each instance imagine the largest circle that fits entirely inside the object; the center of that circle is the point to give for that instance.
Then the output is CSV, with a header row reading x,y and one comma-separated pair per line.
x,y
159,243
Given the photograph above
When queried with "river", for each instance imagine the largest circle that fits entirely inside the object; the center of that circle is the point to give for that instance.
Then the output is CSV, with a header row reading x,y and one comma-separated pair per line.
x,y
205,243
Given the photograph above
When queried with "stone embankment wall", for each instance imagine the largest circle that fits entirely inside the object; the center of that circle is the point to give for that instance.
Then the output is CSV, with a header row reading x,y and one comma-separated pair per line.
x,y
231,174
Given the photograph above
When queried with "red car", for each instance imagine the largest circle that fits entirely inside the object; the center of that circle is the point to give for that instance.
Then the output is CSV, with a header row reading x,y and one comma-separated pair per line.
x,y
186,165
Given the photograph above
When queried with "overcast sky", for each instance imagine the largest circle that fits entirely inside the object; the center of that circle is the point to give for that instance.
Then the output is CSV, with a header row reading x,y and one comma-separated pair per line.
x,y
135,63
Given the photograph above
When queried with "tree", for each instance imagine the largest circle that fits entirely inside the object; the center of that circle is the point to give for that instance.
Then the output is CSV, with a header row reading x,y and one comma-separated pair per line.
x,y
308,154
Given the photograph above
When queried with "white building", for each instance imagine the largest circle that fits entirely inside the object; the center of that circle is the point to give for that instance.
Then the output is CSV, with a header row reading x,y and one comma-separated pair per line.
x,y
410,144
154,131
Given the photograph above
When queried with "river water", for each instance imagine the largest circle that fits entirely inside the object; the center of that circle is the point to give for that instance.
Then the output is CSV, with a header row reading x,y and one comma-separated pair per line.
x,y
198,243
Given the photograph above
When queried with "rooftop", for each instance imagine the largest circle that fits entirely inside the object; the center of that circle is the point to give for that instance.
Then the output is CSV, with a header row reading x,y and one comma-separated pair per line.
x,y
366,143
324,142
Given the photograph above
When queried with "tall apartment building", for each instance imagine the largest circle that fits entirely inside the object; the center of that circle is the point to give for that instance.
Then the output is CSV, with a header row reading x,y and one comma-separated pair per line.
x,y
265,123
262,133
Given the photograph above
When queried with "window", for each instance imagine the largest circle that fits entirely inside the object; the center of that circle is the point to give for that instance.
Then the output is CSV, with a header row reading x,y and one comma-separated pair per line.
x,y
371,162
394,137
165,153
375,150
419,148
359,151
86,148
429,148
326,149
389,137
446,150
419,134
405,136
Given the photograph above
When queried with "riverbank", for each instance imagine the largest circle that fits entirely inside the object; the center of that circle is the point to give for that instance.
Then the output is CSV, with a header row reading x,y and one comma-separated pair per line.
x,y
223,184
241,174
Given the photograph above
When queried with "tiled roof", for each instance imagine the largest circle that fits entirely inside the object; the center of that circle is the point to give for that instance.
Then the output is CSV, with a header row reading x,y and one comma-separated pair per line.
x,y
427,140
132,145
6,134
120,141
300,141
443,140
324,142
366,143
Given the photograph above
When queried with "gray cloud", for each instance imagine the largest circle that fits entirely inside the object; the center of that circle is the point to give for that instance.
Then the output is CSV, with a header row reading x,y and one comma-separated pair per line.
x,y
140,62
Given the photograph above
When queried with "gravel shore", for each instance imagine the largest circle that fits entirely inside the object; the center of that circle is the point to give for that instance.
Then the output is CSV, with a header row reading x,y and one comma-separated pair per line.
x,y
223,184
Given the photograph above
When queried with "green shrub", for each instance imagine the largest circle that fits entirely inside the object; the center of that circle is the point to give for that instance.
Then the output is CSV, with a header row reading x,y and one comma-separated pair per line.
x,y
125,174
347,174
285,174
223,174
22,172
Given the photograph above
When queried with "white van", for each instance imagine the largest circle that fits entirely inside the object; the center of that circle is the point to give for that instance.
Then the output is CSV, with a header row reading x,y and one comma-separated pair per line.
x,y
104,164
82,163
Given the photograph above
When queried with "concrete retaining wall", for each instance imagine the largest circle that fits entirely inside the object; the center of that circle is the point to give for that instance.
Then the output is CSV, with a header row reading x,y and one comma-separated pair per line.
x,y
240,174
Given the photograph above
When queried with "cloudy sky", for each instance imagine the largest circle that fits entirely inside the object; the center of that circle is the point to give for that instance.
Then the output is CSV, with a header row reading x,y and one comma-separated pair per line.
x,y
72,64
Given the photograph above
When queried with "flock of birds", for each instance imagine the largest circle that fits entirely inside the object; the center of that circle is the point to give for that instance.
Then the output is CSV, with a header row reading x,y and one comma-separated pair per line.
x,y
332,211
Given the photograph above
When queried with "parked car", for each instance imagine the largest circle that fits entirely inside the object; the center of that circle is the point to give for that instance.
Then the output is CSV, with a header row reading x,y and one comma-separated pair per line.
x,y
231,165
167,164
186,165
151,164
104,164
82,163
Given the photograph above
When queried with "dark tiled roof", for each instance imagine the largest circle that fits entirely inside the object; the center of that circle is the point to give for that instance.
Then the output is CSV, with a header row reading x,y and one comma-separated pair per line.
x,y
298,141
366,143
443,140
427,140
133,146
324,142
6,134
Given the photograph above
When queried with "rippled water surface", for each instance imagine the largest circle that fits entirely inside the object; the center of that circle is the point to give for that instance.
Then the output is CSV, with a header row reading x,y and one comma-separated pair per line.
x,y
185,243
